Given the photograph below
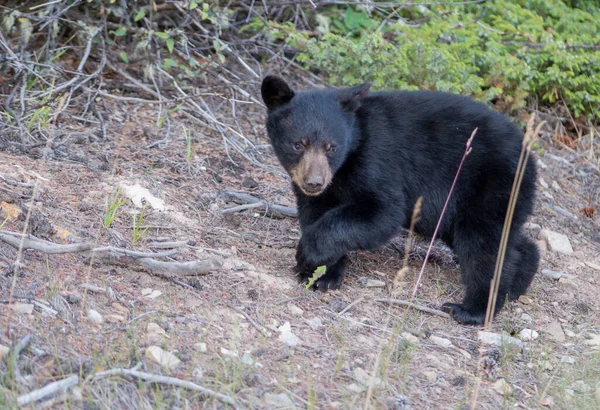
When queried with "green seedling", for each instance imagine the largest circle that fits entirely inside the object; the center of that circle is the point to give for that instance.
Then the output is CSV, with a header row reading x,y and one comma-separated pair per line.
x,y
112,208
320,271
139,232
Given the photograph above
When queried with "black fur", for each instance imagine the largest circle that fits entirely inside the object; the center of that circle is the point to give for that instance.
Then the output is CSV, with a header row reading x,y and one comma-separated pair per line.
x,y
392,148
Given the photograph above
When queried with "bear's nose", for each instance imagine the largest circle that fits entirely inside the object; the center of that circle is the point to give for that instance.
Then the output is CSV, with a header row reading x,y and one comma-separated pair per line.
x,y
314,181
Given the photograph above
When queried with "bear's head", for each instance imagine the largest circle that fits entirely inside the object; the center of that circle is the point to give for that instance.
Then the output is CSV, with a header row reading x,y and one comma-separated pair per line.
x,y
311,131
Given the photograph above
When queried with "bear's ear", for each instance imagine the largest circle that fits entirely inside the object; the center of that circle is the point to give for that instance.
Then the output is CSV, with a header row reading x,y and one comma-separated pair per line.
x,y
350,98
275,92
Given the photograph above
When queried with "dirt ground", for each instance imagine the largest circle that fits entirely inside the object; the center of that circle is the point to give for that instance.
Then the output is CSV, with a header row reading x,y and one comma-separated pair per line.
x,y
247,330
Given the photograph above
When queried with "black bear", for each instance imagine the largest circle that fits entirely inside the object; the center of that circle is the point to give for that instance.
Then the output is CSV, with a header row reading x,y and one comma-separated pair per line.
x,y
359,161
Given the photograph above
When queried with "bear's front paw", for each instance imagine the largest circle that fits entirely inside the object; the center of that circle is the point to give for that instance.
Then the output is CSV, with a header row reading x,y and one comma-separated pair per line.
x,y
463,316
313,252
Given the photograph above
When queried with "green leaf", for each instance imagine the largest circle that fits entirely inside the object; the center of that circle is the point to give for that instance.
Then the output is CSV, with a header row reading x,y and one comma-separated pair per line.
x,y
120,32
140,15
193,5
162,35
170,44
320,271
168,63
124,57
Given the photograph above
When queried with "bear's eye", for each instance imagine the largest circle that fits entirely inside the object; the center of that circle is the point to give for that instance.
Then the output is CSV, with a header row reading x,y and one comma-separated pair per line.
x,y
297,146
331,149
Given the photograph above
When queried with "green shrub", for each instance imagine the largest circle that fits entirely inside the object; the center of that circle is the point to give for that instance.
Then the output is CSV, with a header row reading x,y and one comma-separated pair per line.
x,y
503,51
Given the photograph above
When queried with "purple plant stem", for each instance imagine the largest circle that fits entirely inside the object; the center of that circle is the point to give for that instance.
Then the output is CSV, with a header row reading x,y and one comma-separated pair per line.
x,y
467,152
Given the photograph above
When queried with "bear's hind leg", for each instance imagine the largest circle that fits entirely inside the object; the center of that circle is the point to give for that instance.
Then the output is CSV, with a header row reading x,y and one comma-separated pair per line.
x,y
528,256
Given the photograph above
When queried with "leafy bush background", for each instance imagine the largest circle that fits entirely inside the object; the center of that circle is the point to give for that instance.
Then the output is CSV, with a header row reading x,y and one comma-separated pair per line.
x,y
508,52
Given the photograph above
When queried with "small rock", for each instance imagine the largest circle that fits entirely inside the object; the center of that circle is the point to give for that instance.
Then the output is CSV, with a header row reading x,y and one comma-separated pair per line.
x,y
431,376
356,388
375,283
95,317
547,401
294,310
166,359
361,376
497,339
154,294
568,359
581,387
115,318
569,333
154,332
247,359
410,338
230,353
548,195
557,242
593,265
552,274
201,347
26,308
146,291
398,402
198,373
568,283
502,387
120,308
278,401
4,350
287,336
338,305
555,331
555,186
528,334
533,229
440,341
315,323
526,318
526,300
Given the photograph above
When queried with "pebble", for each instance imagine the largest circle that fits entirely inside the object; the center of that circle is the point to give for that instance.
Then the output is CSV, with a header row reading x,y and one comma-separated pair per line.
x,y
528,334
555,186
315,323
557,242
166,359
593,341
497,339
547,401
375,283
361,376
230,353
502,387
247,359
552,274
287,336
95,317
410,338
431,376
146,291
440,341
154,332
26,308
567,359
201,347
526,318
280,400
4,350
526,300
568,283
115,318
294,310
554,330
154,294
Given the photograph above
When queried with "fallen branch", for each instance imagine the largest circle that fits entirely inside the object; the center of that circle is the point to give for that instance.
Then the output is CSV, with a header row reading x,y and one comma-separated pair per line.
x,y
153,378
398,302
271,209
48,390
170,270
31,242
